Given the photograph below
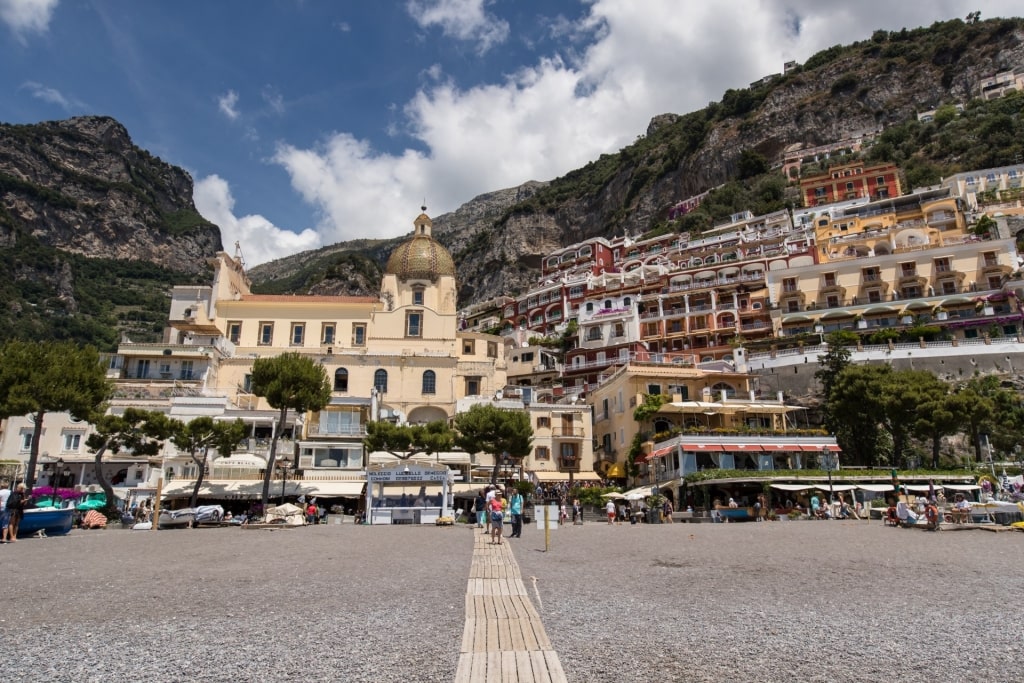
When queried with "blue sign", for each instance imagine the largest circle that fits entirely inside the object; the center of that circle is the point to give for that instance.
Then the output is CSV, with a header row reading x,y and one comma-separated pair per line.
x,y
654,490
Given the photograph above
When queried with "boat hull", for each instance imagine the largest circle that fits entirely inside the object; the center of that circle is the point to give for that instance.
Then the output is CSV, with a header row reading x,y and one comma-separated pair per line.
x,y
176,519
51,521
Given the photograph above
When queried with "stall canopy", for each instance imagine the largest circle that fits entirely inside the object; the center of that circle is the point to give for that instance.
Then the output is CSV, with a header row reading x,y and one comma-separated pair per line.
x,y
792,487
835,487
564,476
960,487
877,488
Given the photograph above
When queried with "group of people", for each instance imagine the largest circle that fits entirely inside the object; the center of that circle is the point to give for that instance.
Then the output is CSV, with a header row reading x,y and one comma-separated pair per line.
x,y
491,507
12,505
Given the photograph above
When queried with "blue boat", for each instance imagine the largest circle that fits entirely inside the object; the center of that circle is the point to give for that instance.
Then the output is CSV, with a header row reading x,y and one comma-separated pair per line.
x,y
53,521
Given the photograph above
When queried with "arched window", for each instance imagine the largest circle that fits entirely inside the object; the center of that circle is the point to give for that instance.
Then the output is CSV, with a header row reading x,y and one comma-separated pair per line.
x,y
429,382
341,379
380,381
722,386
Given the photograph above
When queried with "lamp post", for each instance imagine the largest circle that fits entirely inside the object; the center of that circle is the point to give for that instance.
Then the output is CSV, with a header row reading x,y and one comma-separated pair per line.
x,y
284,478
828,465
58,468
504,466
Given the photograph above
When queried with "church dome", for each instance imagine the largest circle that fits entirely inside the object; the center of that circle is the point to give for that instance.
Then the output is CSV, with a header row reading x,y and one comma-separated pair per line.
x,y
421,257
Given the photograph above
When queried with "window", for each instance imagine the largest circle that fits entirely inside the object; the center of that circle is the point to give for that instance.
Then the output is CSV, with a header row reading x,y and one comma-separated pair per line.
x,y
429,382
417,296
414,324
187,370
298,333
380,381
26,441
72,442
830,279
234,331
472,386
492,349
359,335
468,347
247,383
880,180
266,334
327,333
543,422
142,369
541,453
341,380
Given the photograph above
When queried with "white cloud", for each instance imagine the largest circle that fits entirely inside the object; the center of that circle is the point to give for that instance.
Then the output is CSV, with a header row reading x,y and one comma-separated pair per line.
x,y
227,103
461,19
566,110
51,95
27,16
273,98
261,240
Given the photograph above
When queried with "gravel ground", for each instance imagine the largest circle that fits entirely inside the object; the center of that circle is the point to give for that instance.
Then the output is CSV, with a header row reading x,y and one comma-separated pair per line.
x,y
779,601
784,601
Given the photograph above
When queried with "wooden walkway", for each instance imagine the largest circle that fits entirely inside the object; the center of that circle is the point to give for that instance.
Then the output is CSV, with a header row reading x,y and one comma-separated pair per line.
x,y
503,639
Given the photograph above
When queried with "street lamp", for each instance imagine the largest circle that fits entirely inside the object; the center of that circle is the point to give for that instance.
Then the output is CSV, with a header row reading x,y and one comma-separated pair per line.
x,y
828,465
284,477
505,459
58,469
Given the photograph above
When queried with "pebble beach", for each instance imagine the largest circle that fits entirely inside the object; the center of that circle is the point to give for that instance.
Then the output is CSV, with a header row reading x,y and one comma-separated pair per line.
x,y
777,601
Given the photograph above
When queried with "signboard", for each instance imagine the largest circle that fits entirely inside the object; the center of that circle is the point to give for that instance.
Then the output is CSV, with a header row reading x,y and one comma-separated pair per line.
x,y
410,474
538,511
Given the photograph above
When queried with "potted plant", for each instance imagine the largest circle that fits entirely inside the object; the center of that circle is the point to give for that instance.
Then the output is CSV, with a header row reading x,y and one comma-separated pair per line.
x,y
654,504
794,514
940,313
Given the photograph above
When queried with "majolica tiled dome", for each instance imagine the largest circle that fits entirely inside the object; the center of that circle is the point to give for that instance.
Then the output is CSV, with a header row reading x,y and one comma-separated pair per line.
x,y
422,257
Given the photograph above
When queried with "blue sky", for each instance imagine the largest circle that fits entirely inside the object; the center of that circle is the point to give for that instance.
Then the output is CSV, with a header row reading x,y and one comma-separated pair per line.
x,y
308,122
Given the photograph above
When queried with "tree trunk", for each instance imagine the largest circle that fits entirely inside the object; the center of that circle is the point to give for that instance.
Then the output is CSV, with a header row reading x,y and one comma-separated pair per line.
x,y
268,474
936,442
108,490
33,455
201,464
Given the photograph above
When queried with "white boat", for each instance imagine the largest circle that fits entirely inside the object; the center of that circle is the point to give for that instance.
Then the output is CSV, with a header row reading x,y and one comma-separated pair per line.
x,y
176,519
209,514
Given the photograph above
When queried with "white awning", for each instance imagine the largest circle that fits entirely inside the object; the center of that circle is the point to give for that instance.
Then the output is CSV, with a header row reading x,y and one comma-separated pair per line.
x,y
878,488
919,488
835,487
961,487
246,460
564,476
332,489
792,487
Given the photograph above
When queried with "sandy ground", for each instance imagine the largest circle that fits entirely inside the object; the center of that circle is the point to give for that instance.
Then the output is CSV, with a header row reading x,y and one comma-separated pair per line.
x,y
815,601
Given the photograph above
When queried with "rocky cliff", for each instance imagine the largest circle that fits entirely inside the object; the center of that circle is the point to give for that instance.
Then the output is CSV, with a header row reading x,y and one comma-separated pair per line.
x,y
93,233
498,239
81,186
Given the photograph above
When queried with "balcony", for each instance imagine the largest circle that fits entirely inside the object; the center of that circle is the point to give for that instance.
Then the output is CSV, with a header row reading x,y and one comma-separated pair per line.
x,y
564,432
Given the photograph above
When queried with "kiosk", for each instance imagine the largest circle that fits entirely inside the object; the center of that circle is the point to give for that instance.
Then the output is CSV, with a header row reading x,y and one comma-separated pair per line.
x,y
408,492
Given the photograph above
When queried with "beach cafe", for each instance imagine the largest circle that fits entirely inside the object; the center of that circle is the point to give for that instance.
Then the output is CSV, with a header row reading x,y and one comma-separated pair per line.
x,y
408,492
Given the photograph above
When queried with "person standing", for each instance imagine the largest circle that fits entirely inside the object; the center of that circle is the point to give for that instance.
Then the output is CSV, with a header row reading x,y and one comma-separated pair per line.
x,y
15,507
497,517
609,507
489,499
480,508
5,516
515,508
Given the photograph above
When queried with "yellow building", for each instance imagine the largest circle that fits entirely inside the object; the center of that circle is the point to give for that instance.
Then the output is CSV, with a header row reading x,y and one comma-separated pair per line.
x,y
398,356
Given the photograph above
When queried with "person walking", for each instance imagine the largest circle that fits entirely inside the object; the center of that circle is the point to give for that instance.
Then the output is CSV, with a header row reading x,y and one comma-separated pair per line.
x,y
489,499
5,516
497,516
480,508
609,507
15,507
515,508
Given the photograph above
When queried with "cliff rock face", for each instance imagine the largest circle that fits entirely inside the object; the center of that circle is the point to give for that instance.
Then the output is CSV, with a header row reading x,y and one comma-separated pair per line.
x,y
81,186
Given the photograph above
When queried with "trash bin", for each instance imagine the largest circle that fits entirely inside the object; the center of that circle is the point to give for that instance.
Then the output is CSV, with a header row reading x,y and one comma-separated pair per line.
x,y
654,516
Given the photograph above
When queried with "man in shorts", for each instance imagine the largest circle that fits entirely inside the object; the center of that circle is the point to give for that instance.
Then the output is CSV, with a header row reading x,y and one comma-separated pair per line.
x,y
609,507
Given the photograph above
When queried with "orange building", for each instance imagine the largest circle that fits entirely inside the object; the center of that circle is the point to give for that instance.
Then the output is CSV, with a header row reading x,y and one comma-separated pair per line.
x,y
851,181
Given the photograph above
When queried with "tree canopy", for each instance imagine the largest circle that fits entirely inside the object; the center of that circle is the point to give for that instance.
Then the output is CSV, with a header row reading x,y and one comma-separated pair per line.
x,y
290,381
405,441
197,436
489,429
135,432
41,377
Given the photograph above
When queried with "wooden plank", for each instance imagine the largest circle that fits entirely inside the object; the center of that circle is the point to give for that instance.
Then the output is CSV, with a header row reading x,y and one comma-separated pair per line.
x,y
480,636
467,635
508,667
524,668
540,667
463,674
554,667
479,668
493,667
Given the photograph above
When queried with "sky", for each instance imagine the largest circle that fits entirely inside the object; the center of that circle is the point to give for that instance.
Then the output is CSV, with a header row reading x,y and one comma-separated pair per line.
x,y
308,122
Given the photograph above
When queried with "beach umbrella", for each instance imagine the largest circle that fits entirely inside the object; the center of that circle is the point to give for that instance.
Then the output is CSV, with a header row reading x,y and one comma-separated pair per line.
x,y
614,494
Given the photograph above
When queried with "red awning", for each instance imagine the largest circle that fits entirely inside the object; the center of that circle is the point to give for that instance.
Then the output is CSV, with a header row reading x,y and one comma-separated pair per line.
x,y
743,447
782,447
661,452
831,447
701,447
